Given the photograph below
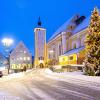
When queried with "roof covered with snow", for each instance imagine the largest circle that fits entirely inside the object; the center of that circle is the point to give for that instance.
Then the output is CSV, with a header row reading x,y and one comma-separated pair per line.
x,y
61,29
73,51
83,25
80,27
20,48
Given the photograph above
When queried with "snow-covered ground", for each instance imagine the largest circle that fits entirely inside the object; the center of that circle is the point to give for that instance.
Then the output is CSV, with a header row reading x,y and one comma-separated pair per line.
x,y
75,74
6,96
43,84
47,72
15,75
75,78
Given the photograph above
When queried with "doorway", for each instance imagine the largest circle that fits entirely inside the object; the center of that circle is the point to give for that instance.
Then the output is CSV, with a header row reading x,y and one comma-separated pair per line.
x,y
41,65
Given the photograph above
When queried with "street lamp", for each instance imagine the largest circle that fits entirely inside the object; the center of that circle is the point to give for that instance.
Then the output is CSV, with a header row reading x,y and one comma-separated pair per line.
x,y
7,42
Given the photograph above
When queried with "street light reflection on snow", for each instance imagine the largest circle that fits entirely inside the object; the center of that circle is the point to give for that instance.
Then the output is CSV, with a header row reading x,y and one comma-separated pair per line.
x,y
7,42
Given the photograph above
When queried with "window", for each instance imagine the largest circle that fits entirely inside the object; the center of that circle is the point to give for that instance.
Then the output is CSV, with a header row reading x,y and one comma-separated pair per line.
x,y
59,49
75,46
54,53
49,55
17,58
63,59
41,58
79,20
24,51
20,58
21,46
71,27
28,58
71,58
24,58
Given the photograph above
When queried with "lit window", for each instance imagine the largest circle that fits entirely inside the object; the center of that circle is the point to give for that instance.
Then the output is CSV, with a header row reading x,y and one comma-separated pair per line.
x,y
24,51
24,58
28,58
20,58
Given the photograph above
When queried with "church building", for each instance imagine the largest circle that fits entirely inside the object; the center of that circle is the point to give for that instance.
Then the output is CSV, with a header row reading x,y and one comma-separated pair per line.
x,y
66,45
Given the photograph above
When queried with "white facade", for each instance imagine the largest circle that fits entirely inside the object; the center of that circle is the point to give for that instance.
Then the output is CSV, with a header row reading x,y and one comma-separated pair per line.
x,y
20,57
40,45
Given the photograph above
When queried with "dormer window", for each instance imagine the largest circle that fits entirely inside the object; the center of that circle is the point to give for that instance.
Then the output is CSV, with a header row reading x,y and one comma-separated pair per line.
x,y
79,20
70,27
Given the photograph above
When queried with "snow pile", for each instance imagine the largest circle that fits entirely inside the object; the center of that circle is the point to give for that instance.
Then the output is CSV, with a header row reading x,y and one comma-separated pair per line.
x,y
17,75
77,75
14,75
57,67
29,70
48,71
6,96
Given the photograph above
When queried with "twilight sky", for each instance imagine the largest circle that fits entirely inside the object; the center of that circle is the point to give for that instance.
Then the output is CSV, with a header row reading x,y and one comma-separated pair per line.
x,y
19,17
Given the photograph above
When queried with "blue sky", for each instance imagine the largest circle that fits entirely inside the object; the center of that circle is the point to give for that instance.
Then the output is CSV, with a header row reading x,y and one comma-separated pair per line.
x,y
18,18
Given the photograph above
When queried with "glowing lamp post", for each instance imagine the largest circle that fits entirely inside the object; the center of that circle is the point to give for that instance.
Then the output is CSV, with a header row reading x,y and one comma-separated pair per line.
x,y
7,42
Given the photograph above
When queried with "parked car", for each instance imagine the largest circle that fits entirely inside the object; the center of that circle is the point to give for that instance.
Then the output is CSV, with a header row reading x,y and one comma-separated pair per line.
x,y
1,74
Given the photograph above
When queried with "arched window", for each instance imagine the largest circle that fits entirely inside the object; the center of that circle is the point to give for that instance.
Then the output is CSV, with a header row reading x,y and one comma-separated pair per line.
x,y
75,46
59,49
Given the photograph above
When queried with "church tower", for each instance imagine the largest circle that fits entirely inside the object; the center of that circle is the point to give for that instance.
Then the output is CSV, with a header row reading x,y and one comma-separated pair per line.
x,y
40,45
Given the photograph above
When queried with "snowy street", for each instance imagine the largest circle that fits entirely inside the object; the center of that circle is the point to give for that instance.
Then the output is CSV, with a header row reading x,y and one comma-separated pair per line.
x,y
43,85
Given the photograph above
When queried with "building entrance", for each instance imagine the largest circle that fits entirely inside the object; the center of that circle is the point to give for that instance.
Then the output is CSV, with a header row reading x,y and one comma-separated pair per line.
x,y
41,65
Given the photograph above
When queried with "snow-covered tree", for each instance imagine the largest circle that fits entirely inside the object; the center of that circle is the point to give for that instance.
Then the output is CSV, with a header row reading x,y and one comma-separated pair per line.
x,y
92,43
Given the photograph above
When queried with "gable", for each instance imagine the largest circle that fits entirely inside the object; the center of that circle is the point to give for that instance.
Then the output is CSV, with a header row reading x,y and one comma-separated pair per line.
x,y
20,48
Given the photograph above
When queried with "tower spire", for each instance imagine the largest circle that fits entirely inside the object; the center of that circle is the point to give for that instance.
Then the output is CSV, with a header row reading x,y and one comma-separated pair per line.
x,y
39,22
